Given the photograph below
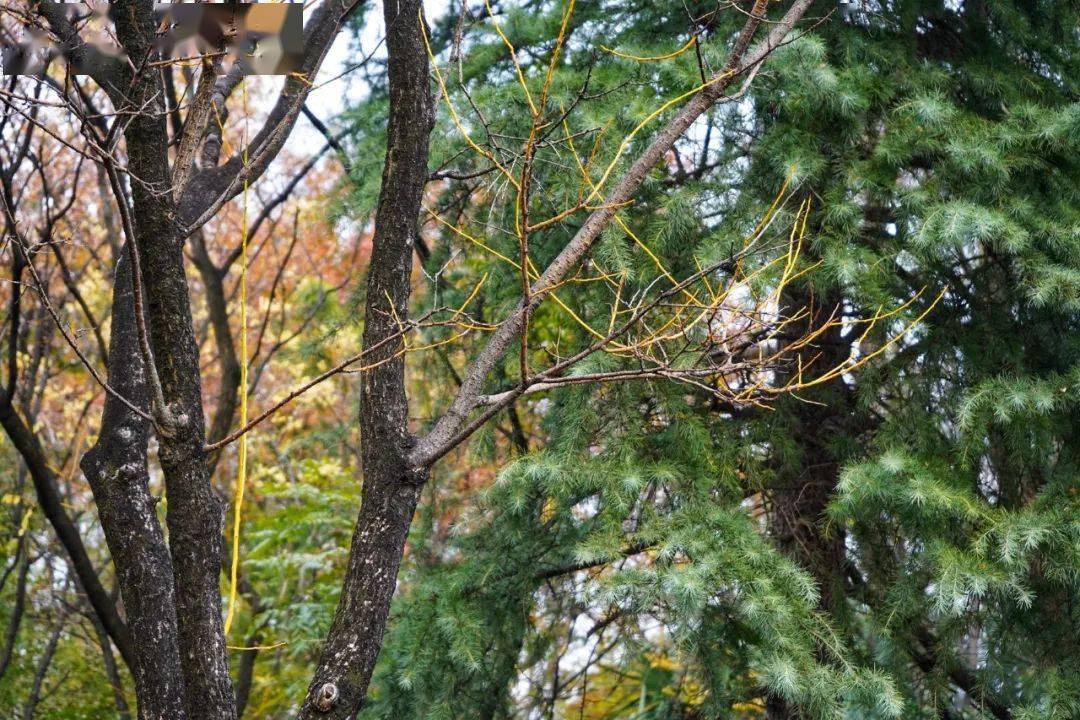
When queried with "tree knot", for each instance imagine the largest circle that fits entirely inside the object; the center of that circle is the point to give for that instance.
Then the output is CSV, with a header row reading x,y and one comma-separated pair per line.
x,y
169,420
328,695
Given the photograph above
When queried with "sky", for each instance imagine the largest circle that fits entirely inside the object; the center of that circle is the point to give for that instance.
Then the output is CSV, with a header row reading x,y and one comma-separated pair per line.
x,y
327,101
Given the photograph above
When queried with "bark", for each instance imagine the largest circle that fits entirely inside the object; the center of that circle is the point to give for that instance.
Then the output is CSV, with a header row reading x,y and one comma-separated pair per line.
x,y
391,487
154,225
193,637
394,468
394,465
116,469
195,513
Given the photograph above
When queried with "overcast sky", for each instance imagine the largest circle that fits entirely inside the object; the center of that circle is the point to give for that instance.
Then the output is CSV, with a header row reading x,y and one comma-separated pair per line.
x,y
328,101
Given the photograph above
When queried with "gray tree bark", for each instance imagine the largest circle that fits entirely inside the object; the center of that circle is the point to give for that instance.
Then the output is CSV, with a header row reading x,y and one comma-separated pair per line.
x,y
116,469
391,486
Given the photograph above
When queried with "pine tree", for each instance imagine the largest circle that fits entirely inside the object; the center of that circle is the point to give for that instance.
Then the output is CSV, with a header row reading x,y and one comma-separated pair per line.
x,y
899,542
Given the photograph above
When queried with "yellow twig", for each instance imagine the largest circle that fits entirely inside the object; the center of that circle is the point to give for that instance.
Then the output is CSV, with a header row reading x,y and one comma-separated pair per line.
x,y
654,58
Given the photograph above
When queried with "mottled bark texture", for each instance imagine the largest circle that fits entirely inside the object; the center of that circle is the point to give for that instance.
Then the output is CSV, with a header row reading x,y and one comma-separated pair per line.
x,y
116,470
173,600
393,464
195,513
171,592
391,487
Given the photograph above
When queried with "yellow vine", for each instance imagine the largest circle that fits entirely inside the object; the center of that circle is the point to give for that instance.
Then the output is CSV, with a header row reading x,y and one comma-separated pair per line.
x,y
241,472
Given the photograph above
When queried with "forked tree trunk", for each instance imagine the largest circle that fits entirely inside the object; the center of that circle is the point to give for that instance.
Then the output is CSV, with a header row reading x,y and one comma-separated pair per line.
x,y
116,470
173,598
195,513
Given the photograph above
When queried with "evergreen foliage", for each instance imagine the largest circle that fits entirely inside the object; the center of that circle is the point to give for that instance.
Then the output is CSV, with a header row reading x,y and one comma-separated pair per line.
x,y
938,143
901,542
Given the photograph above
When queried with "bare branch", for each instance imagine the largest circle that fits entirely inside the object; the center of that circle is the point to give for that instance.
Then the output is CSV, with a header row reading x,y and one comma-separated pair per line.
x,y
215,186
447,430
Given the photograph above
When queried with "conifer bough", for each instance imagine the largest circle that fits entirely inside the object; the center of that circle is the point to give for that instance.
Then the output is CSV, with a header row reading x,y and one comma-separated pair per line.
x,y
171,635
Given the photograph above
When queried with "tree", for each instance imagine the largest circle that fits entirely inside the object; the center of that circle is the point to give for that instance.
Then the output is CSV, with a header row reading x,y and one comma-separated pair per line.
x,y
937,551
611,437
179,661
913,188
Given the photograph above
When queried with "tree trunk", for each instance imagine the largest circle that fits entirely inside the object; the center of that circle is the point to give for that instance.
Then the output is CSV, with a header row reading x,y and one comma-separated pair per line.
x,y
391,488
195,513
117,473
799,499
